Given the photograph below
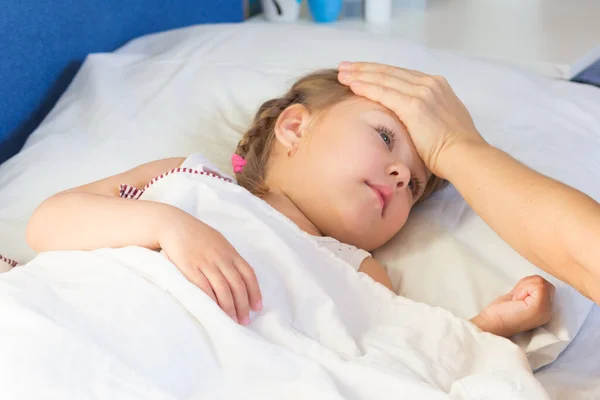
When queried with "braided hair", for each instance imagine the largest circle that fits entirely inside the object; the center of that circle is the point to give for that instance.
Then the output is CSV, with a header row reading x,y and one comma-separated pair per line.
x,y
315,91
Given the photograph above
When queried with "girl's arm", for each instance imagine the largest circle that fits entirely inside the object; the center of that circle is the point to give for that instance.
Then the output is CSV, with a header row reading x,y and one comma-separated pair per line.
x,y
375,270
93,216
527,306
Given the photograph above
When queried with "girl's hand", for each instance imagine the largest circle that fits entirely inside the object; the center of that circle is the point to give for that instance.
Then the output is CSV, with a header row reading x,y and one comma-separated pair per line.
x,y
434,116
526,307
209,261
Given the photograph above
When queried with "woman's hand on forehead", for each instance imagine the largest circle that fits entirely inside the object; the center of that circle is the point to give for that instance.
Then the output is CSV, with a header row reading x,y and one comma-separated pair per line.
x,y
433,115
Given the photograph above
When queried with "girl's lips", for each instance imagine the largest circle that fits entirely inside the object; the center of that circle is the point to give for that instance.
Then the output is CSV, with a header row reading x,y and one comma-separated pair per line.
x,y
383,193
379,197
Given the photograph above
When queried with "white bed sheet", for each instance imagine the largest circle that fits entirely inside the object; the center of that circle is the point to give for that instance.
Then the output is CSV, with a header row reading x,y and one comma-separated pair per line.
x,y
575,375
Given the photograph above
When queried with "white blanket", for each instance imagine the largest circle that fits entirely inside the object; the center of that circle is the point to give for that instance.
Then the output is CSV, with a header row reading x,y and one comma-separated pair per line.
x,y
126,324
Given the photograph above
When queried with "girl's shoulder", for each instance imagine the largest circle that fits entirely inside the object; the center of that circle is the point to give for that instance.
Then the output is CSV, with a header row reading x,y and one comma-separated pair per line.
x,y
199,162
351,254
132,184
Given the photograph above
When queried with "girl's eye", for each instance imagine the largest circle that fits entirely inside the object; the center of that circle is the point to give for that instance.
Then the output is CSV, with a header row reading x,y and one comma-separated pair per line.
x,y
387,136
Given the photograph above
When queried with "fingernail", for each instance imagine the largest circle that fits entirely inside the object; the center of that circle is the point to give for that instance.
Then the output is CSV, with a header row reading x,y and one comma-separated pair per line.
x,y
235,319
245,321
345,65
258,306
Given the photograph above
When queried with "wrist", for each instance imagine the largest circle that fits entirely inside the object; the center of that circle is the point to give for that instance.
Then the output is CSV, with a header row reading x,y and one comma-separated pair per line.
x,y
164,218
487,324
454,157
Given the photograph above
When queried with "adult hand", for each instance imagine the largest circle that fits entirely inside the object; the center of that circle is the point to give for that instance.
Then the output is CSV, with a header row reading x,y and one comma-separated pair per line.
x,y
434,116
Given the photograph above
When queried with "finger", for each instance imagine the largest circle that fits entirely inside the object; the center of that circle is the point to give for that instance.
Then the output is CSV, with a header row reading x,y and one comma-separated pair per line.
x,y
249,277
533,292
528,281
521,290
503,298
399,84
198,279
532,278
408,74
222,290
389,98
239,292
523,294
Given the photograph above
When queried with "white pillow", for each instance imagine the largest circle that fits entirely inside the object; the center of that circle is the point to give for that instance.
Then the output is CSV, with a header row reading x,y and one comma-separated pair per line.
x,y
196,89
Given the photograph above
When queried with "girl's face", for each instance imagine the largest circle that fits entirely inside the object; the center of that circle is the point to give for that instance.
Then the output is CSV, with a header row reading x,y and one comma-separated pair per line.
x,y
356,173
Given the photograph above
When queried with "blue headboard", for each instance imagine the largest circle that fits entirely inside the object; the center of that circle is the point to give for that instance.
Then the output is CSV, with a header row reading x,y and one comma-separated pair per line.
x,y
44,43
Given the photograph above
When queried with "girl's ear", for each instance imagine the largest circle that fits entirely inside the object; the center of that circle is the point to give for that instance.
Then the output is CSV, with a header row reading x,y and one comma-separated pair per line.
x,y
291,124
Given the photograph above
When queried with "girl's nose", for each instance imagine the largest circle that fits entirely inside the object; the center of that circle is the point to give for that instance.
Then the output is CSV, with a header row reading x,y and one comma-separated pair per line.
x,y
401,174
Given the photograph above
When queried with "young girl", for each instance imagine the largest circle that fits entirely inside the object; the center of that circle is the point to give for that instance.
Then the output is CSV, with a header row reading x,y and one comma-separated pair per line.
x,y
341,167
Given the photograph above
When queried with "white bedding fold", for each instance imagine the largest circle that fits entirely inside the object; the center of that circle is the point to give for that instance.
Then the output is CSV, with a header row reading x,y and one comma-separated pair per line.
x,y
124,323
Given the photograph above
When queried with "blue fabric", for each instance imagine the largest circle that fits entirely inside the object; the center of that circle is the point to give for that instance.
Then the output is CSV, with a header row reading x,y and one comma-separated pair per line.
x,y
590,75
43,42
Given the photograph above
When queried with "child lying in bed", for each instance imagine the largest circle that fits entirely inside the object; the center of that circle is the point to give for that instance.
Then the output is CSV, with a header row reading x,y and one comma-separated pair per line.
x,y
341,167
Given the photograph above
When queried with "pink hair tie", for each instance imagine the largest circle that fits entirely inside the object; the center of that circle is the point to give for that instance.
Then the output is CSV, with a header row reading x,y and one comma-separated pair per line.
x,y
238,163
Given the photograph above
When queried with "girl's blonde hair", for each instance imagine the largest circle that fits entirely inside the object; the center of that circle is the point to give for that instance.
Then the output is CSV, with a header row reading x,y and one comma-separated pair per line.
x,y
316,91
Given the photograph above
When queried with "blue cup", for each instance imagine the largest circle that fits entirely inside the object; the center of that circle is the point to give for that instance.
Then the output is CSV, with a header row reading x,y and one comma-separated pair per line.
x,y
324,11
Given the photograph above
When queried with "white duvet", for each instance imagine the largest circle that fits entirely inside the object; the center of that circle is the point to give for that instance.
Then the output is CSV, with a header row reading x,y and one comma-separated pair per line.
x,y
125,324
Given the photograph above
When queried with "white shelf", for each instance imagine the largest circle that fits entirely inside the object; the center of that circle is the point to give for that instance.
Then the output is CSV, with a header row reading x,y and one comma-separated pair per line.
x,y
546,36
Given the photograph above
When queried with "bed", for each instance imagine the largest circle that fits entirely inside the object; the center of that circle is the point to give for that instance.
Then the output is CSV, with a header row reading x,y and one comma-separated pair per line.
x,y
165,94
